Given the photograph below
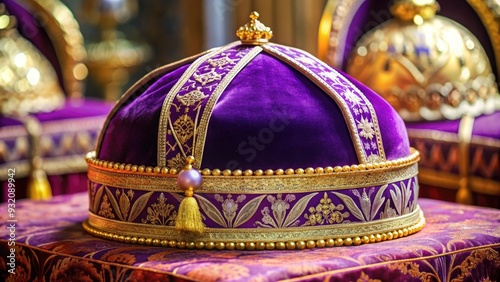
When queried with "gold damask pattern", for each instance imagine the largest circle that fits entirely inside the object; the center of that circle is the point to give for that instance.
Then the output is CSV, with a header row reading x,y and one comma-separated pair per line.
x,y
161,213
325,212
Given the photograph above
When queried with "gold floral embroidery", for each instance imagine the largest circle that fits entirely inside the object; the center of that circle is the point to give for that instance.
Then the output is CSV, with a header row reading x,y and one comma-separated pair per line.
x,y
68,268
232,217
220,62
325,211
176,162
224,271
207,77
475,258
160,213
413,270
279,207
388,211
192,97
229,206
365,278
105,209
366,128
184,128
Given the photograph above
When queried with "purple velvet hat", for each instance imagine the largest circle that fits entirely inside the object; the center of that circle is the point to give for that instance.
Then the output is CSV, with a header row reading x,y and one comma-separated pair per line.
x,y
292,154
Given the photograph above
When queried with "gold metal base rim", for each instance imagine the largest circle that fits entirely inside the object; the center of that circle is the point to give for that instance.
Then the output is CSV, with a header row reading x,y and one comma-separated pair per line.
x,y
250,246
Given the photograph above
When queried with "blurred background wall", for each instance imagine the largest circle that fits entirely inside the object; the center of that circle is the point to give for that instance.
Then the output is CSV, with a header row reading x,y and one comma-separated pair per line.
x,y
174,29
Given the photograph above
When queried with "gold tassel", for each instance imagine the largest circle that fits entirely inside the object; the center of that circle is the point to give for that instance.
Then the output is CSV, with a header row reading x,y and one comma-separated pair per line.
x,y
189,215
39,186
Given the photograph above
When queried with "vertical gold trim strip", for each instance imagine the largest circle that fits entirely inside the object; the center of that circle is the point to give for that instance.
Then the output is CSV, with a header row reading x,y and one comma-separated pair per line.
x,y
464,195
167,103
202,128
138,85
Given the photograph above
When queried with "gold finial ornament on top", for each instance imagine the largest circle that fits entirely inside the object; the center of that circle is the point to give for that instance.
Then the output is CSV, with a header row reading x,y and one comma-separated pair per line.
x,y
28,83
254,32
427,66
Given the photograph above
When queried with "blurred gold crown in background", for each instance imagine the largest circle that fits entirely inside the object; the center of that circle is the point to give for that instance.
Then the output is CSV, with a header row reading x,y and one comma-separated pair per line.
x,y
427,66
28,83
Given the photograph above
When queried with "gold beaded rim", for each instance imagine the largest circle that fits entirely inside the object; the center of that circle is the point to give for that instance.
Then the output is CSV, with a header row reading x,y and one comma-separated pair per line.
x,y
377,166
251,246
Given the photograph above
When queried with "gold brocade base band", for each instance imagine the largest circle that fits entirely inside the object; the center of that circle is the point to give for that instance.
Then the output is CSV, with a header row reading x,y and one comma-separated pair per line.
x,y
258,239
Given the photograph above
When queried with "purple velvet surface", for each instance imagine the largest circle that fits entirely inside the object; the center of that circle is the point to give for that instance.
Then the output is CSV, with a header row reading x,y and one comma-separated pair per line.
x,y
29,26
373,13
131,136
458,242
269,116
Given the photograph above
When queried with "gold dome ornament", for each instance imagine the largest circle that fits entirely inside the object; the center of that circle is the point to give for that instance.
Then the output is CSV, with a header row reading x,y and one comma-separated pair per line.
x,y
254,32
28,83
427,66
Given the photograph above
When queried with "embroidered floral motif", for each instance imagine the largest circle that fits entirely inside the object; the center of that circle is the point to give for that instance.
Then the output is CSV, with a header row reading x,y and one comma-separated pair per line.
x,y
366,128
367,208
401,196
365,278
160,213
67,269
192,97
229,206
413,270
225,271
475,259
219,62
232,215
207,77
184,128
105,209
325,211
277,217
353,98
388,211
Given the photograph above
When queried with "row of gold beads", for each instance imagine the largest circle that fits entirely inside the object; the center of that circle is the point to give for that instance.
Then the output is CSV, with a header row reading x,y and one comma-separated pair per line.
x,y
259,172
250,246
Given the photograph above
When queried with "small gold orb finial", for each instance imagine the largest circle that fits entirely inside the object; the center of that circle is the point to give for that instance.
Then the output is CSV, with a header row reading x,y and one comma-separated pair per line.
x,y
254,32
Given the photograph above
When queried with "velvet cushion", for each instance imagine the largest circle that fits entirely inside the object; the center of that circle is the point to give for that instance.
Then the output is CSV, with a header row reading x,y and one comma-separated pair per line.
x,y
438,143
459,243
269,116
67,135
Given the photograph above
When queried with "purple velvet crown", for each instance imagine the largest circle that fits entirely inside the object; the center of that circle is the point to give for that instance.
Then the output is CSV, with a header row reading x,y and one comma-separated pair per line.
x,y
293,154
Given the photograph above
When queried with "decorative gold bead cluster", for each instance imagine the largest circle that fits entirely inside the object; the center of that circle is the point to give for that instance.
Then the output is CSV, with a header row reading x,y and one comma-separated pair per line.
x,y
250,246
413,158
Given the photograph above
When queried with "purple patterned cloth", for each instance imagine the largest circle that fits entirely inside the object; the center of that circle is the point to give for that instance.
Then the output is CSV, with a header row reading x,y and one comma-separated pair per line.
x,y
458,243
67,135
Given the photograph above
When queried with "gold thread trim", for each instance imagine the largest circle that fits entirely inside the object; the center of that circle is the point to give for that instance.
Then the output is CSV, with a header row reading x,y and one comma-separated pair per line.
x,y
207,112
251,239
358,146
137,86
167,102
254,184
